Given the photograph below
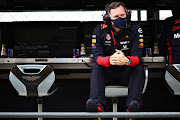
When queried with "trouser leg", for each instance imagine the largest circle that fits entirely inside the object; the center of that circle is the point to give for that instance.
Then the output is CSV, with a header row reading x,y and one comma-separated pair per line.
x,y
136,84
97,84
99,76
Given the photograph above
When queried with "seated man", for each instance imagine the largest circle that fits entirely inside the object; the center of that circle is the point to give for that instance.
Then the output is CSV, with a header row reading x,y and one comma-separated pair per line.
x,y
170,37
117,49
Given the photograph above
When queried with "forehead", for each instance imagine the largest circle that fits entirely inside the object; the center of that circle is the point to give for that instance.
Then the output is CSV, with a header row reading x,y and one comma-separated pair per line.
x,y
117,11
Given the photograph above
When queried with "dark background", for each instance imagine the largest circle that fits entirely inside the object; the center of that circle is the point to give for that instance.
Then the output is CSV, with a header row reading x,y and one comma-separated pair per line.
x,y
81,4
38,39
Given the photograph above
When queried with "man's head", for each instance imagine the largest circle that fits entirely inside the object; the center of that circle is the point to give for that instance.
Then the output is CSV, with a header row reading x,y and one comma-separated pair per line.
x,y
117,15
115,10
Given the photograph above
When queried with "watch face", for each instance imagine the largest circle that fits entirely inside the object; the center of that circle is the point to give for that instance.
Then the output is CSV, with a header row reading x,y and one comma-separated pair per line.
x,y
128,62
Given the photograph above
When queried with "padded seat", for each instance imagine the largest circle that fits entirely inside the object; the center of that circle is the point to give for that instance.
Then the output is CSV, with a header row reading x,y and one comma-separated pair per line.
x,y
172,77
33,81
116,91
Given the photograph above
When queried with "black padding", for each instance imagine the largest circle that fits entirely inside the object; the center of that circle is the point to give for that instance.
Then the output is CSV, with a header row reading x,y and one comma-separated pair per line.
x,y
31,70
174,72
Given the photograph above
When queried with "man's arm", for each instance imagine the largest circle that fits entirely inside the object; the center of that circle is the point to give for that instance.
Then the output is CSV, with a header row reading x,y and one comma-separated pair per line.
x,y
97,49
137,48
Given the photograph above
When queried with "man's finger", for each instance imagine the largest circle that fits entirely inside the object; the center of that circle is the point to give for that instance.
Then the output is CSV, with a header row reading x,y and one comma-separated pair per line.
x,y
113,56
113,59
118,51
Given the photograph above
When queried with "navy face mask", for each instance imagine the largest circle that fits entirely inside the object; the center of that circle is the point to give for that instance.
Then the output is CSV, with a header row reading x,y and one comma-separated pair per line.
x,y
120,22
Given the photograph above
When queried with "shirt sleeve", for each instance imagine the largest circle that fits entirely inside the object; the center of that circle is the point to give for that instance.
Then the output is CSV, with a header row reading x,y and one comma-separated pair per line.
x,y
97,48
137,47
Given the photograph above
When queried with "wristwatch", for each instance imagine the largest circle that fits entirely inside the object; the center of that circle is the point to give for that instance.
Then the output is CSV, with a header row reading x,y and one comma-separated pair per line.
x,y
128,62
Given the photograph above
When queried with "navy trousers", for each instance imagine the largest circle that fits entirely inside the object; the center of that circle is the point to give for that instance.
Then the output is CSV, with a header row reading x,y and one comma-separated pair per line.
x,y
133,77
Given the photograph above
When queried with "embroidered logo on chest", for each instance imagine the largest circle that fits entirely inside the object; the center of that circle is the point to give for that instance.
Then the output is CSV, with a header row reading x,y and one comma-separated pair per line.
x,y
108,37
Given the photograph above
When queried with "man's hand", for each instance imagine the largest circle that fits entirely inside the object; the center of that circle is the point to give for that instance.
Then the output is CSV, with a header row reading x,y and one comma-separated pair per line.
x,y
118,58
112,59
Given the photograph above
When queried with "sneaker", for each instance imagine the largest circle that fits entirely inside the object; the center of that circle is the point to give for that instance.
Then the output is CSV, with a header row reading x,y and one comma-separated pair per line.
x,y
133,107
91,106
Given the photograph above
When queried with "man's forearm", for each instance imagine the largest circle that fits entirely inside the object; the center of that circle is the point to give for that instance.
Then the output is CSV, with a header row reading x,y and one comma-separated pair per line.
x,y
134,61
103,61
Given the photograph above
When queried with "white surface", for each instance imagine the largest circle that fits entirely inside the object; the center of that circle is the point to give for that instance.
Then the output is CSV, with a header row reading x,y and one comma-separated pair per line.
x,y
69,15
163,14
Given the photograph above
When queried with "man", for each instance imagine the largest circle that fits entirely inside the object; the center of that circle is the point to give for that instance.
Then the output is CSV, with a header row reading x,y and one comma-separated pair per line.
x,y
117,49
170,37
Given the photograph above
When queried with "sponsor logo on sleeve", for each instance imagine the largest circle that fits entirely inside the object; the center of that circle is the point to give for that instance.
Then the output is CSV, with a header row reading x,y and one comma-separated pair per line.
x,y
93,45
140,30
93,36
93,40
176,28
140,45
140,35
141,40
176,36
177,21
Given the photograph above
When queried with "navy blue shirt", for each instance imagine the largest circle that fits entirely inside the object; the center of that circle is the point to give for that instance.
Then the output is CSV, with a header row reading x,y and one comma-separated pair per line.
x,y
170,40
105,41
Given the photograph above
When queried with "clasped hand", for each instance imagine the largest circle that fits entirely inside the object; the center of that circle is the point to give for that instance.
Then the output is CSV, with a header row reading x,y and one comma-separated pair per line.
x,y
118,58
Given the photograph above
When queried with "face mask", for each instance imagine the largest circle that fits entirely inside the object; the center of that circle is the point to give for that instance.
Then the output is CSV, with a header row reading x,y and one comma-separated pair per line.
x,y
120,22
